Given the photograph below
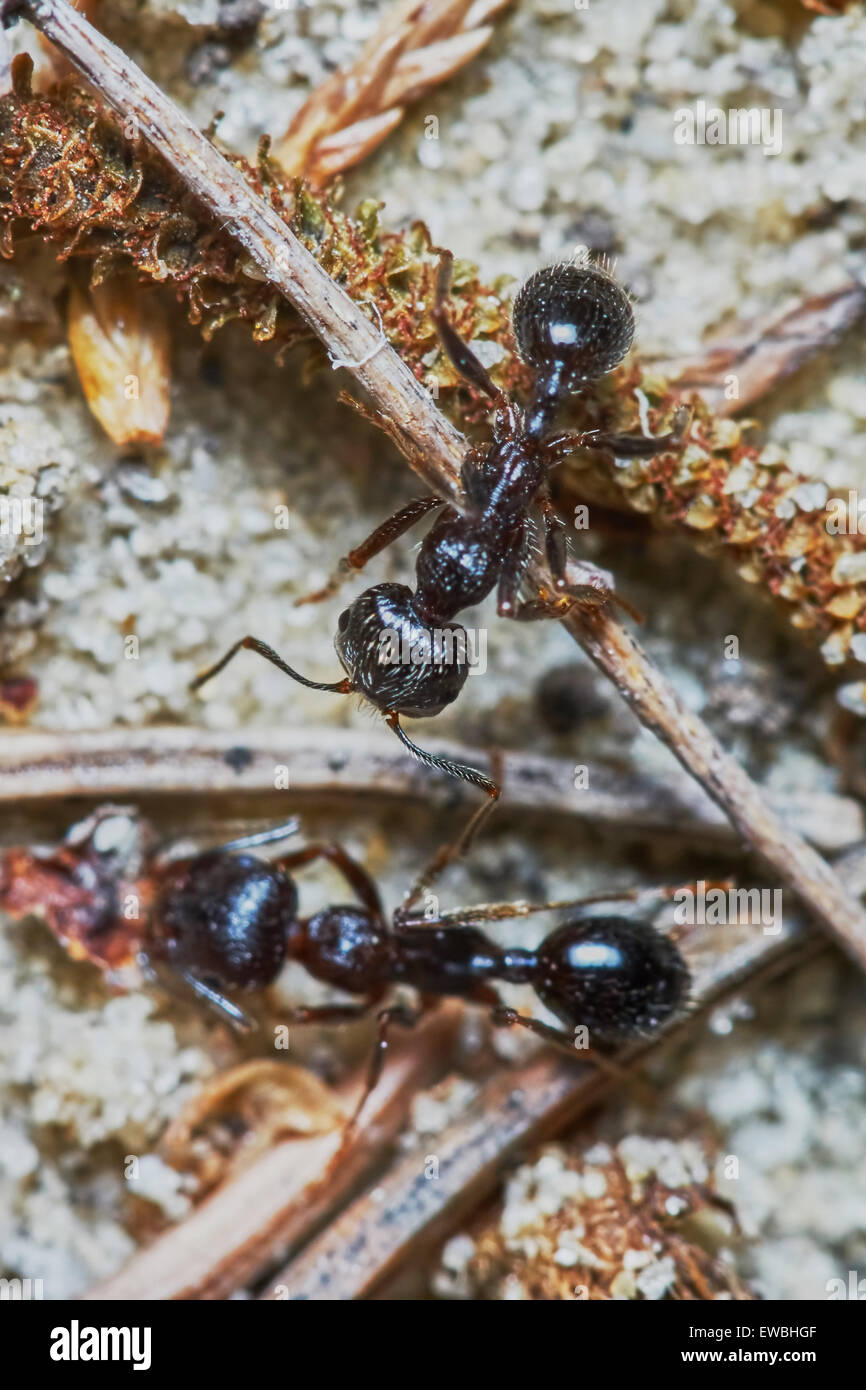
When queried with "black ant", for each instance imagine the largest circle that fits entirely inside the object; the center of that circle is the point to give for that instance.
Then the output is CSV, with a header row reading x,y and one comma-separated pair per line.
x,y
573,323
227,920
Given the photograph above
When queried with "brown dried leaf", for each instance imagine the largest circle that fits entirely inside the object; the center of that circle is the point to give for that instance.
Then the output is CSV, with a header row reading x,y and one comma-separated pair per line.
x,y
119,338
761,354
419,44
269,1100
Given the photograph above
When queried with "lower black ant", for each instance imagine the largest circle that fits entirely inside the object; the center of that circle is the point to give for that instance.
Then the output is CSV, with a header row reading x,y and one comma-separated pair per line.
x,y
573,324
227,920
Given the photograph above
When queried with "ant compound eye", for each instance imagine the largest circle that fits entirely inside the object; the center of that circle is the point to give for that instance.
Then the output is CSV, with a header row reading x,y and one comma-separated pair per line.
x,y
573,320
343,620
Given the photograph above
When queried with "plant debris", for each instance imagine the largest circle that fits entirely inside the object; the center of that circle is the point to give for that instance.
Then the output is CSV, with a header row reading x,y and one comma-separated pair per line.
x,y
641,1221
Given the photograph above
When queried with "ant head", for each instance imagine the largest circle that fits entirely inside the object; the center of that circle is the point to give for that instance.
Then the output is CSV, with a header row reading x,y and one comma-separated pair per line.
x,y
619,978
393,659
573,323
225,918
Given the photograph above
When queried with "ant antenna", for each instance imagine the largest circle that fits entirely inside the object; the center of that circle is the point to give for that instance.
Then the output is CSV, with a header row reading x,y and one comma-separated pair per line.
x,y
343,687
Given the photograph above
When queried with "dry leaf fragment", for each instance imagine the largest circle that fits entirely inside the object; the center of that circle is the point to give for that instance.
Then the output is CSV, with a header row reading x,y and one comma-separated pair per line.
x,y
760,354
120,345
419,44
270,1099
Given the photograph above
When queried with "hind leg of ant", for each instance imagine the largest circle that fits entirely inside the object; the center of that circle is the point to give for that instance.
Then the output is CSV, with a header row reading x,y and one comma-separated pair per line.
x,y
504,1017
342,687
589,596
404,1017
357,878
554,539
454,849
390,530
460,354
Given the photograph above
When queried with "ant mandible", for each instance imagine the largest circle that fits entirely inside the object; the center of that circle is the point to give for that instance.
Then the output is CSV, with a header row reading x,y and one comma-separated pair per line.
x,y
227,920
573,324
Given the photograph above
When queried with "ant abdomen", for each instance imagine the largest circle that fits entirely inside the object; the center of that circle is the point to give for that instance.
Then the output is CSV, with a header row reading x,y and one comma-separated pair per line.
x,y
573,323
617,977
397,661
225,918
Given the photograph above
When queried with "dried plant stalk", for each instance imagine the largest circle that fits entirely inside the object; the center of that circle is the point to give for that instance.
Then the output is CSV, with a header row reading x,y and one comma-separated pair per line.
x,y
37,768
734,369
419,44
102,196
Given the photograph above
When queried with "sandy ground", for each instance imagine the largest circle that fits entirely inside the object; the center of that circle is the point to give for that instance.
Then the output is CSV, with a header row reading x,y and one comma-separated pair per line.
x,y
562,133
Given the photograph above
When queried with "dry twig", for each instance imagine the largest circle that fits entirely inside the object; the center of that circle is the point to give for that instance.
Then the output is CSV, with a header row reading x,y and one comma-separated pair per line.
x,y
433,446
124,764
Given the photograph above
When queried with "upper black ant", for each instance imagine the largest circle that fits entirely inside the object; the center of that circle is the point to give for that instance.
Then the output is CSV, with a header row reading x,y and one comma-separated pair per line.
x,y
573,323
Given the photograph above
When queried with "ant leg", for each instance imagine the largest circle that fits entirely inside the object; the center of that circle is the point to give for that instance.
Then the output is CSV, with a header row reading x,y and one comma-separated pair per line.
x,y
456,849
554,539
405,1018
342,687
357,878
329,1013
263,837
390,530
504,1017
218,1003
624,446
459,353
441,763
501,912
514,565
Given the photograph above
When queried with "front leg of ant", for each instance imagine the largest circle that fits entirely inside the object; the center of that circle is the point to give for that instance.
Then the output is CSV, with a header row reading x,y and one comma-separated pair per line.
x,y
218,1004
384,535
328,1014
255,644
357,878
